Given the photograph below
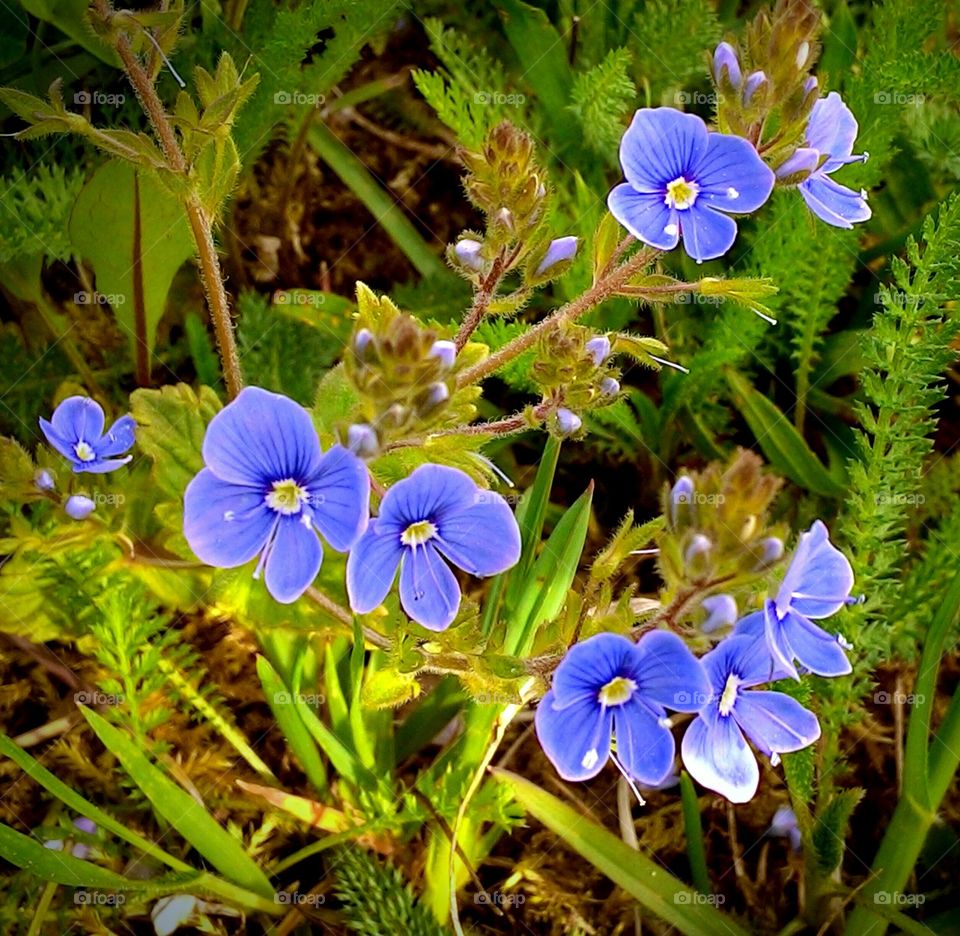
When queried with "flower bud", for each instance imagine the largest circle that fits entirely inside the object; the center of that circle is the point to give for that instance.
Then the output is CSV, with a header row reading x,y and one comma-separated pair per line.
x,y
785,825
699,546
437,393
79,506
809,86
772,550
681,499
43,480
504,217
755,81
803,53
568,423
361,343
797,167
445,351
599,349
725,59
561,250
362,440
468,253
609,386
721,612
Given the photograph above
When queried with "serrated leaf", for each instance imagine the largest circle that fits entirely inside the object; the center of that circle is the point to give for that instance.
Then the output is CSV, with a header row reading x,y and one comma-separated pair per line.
x,y
830,831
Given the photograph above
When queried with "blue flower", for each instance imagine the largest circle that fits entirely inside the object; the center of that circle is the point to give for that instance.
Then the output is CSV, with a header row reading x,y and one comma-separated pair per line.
x,y
831,132
817,584
681,179
714,747
609,688
268,489
76,431
435,516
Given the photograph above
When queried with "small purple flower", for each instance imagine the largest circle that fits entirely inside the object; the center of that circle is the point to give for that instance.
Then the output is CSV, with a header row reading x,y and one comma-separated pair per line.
x,y
725,59
568,422
445,352
79,849
831,132
76,431
599,349
561,250
268,489
817,584
435,516
721,612
784,825
609,688
683,180
79,507
714,747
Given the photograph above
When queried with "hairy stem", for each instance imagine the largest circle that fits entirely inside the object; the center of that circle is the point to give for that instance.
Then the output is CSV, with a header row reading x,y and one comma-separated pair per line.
x,y
481,301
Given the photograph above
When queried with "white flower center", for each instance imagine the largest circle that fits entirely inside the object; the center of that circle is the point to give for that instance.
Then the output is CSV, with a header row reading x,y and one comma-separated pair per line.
x,y
85,451
681,194
617,691
729,697
287,497
418,533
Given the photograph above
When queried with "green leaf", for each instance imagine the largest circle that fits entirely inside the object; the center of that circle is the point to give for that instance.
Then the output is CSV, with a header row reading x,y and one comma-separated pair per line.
x,y
785,448
658,891
830,832
181,810
171,424
136,235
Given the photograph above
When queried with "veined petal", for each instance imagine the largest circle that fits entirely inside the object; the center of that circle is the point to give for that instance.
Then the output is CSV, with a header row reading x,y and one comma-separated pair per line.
x,y
262,437
746,654
834,203
588,666
431,492
645,215
576,739
294,559
225,524
101,467
660,145
340,497
483,538
669,674
813,647
819,578
120,437
777,643
707,234
371,568
716,755
775,722
645,748
78,419
429,591
805,159
63,445
832,128
732,176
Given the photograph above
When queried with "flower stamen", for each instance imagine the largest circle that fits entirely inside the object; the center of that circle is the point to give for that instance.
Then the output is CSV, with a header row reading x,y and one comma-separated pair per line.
x,y
681,194
287,497
85,451
617,691
418,533
729,697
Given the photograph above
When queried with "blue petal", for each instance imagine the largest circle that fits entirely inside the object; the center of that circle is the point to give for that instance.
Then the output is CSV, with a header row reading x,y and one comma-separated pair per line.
x,y
576,738
120,437
832,128
819,578
78,419
429,592
813,647
774,629
660,145
590,665
732,176
260,438
707,234
432,492
483,538
747,654
804,159
716,755
834,203
669,673
774,722
62,445
645,747
340,497
294,558
225,524
371,568
645,216
100,467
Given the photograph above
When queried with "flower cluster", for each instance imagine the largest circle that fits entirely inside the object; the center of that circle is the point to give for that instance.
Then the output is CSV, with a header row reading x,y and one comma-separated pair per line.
x,y
610,695
269,491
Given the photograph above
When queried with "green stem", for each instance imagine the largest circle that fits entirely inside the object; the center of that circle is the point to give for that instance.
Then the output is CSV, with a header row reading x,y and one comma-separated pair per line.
x,y
693,829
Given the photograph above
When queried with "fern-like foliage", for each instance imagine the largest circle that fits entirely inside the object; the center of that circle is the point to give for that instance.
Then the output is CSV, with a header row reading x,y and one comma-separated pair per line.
x,y
376,899
602,98
34,212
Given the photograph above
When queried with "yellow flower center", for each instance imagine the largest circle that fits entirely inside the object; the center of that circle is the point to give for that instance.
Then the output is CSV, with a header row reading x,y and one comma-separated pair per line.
x,y
287,497
617,691
729,696
418,533
681,193
84,451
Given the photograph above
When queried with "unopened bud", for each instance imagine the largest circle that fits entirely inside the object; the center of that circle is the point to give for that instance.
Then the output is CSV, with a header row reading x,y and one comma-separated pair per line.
x,y
561,250
721,612
362,440
772,550
725,59
681,498
361,343
599,349
568,422
43,480
445,351
755,81
609,386
699,546
437,393
468,253
79,506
